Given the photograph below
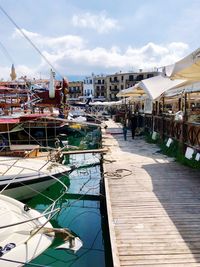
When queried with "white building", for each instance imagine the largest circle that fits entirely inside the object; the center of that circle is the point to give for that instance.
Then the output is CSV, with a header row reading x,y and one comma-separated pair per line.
x,y
88,86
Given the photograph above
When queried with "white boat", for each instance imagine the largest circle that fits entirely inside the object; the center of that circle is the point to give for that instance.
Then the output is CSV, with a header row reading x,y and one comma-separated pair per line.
x,y
22,178
25,233
17,222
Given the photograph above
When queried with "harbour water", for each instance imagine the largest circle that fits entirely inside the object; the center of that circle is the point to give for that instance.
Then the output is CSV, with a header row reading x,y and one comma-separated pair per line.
x,y
83,211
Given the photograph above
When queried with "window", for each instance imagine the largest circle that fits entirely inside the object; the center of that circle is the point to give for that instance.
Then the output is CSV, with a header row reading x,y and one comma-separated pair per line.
x,y
149,75
131,78
140,77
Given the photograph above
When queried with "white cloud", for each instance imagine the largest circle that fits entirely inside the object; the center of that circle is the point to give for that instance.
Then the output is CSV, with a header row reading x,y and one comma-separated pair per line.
x,y
63,42
100,23
70,55
80,61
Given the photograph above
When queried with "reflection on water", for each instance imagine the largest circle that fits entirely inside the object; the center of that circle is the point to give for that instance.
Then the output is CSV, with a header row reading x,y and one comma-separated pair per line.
x,y
81,213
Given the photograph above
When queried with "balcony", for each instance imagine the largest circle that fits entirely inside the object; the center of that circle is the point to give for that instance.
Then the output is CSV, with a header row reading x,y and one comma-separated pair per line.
x,y
116,90
77,91
99,82
114,81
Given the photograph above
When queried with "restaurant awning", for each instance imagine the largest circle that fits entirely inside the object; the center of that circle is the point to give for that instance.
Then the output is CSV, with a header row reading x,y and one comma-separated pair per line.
x,y
187,68
153,87
187,88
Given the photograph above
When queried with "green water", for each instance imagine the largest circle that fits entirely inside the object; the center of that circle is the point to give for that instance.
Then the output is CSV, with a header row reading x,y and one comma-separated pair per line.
x,y
82,213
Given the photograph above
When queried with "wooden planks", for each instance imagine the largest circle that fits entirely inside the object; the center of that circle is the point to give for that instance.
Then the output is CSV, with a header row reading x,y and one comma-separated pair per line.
x,y
153,205
72,152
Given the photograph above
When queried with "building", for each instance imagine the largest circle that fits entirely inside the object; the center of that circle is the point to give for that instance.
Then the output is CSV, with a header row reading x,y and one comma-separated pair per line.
x,y
100,88
88,87
75,90
119,81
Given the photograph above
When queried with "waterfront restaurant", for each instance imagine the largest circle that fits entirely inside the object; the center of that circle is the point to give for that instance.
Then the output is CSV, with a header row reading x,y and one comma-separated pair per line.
x,y
170,108
180,115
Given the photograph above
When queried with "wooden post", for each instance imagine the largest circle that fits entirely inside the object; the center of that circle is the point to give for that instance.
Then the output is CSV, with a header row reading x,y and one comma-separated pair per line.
x,y
185,107
163,119
156,108
184,125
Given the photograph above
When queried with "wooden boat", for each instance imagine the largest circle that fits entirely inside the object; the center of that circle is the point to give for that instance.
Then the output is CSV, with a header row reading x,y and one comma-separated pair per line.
x,y
25,233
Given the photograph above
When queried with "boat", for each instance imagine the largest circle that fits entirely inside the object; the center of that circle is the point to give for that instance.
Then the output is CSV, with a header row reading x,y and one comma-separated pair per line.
x,y
17,221
25,233
31,128
22,178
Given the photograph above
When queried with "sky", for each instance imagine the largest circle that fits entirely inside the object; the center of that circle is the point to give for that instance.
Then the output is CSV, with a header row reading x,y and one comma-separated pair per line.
x,y
80,37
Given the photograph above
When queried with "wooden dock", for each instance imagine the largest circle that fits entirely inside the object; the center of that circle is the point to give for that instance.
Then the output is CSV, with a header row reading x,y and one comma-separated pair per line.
x,y
153,205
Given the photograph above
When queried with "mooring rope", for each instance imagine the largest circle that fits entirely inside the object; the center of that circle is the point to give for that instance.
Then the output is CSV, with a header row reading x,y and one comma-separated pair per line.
x,y
118,173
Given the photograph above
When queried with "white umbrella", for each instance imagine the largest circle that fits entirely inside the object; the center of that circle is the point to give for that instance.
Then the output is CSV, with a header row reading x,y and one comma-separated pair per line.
x,y
131,91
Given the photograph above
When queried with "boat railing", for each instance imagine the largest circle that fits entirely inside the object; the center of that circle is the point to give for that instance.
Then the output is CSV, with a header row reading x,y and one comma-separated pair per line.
x,y
9,164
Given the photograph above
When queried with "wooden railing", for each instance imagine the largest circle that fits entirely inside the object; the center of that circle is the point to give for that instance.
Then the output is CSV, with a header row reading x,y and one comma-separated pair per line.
x,y
187,133
148,122
193,134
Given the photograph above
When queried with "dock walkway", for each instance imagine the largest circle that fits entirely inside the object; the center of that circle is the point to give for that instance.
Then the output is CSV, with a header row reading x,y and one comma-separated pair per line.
x,y
153,204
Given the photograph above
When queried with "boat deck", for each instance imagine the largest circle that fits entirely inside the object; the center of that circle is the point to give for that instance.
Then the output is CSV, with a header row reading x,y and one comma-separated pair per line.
x,y
153,204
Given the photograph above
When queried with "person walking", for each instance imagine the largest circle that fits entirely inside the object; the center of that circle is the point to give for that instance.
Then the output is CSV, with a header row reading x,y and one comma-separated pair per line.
x,y
133,125
125,132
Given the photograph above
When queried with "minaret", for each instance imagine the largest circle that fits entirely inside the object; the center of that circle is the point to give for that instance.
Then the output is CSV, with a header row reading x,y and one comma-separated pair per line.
x,y
13,73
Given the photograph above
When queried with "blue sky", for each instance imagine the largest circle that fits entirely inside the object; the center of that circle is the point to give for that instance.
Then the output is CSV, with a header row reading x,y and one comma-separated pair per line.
x,y
80,37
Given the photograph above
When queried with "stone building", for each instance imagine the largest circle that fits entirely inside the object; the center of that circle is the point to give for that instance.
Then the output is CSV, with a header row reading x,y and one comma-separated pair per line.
x,y
100,87
119,81
75,90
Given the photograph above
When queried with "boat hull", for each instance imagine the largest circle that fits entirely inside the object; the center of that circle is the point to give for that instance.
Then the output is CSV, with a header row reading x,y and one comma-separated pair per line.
x,y
24,178
18,246
28,189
